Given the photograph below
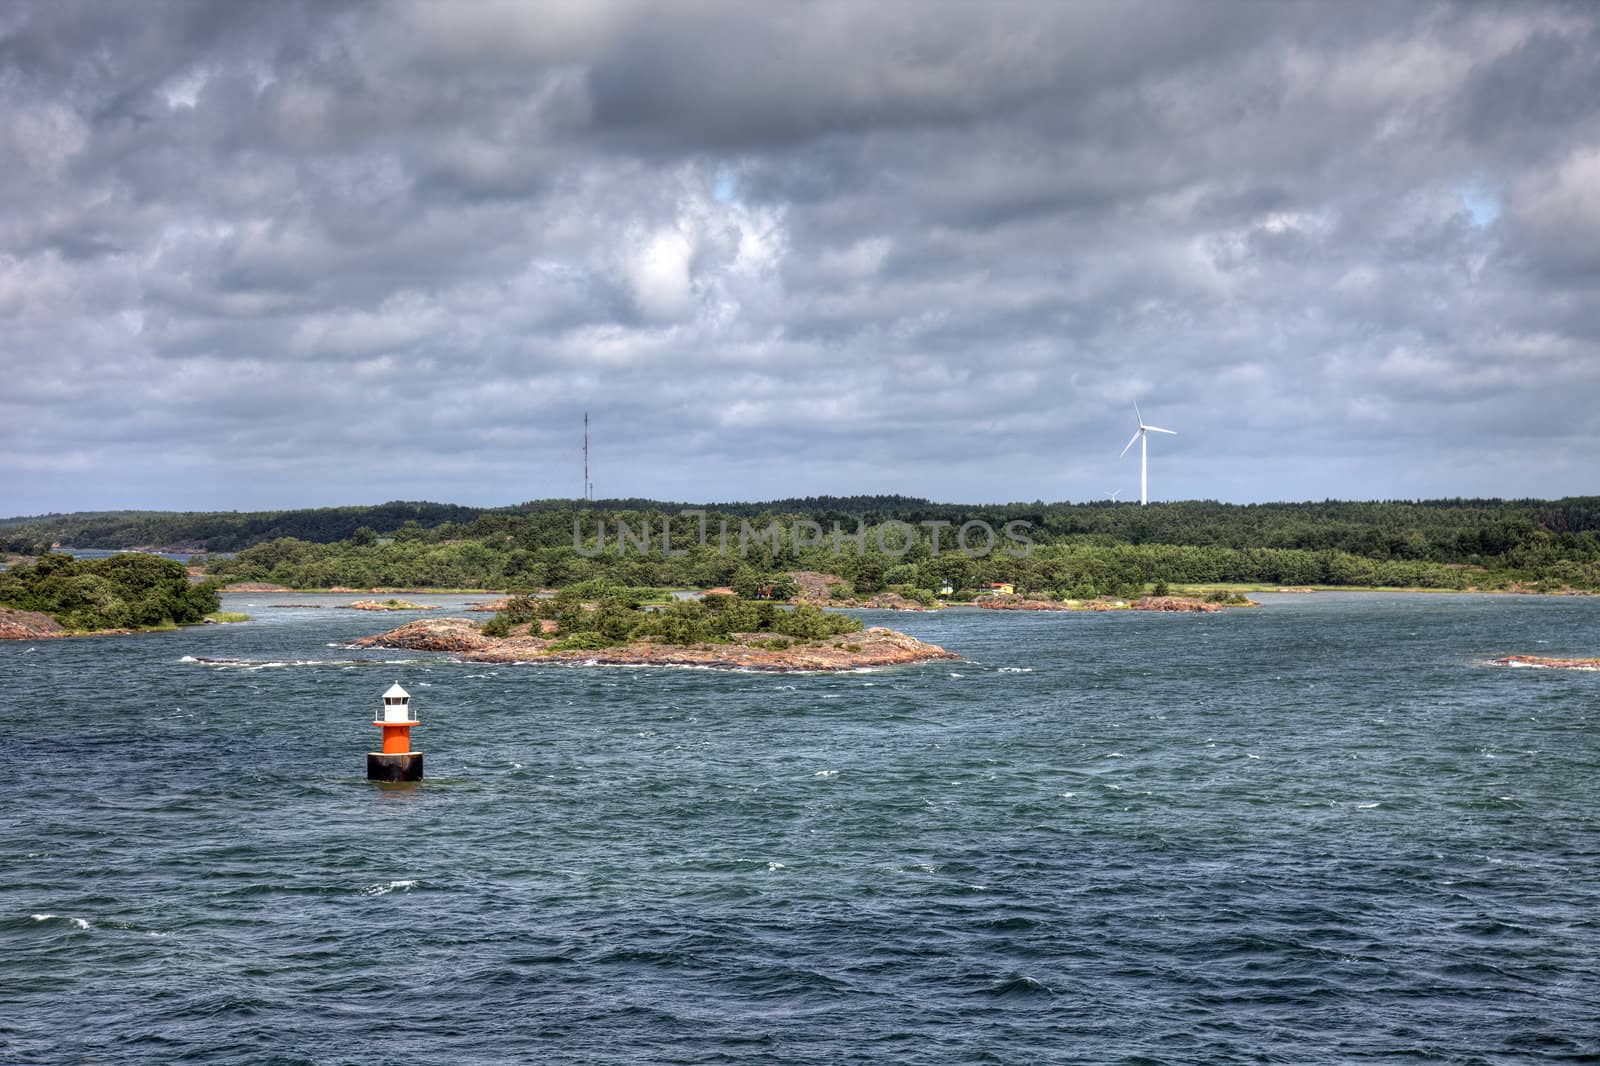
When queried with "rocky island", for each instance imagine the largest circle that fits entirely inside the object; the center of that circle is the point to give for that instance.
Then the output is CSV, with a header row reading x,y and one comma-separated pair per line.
x,y
720,631
1544,663
739,651
390,605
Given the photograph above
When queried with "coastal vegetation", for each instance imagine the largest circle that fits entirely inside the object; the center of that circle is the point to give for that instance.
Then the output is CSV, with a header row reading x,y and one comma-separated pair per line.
x,y
467,642
616,619
390,604
1077,568
719,631
1078,551
128,591
226,617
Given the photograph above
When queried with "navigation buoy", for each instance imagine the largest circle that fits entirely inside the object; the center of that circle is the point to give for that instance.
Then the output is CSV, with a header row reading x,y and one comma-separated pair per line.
x,y
396,762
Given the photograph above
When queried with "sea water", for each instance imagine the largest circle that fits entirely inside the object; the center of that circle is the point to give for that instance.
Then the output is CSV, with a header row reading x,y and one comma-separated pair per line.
x,y
1321,830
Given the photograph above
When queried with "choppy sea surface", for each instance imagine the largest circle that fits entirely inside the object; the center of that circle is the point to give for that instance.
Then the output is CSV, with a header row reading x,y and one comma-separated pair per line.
x,y
1319,831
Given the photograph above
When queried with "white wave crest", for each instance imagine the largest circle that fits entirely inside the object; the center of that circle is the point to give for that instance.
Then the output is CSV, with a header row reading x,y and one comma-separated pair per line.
x,y
76,923
270,664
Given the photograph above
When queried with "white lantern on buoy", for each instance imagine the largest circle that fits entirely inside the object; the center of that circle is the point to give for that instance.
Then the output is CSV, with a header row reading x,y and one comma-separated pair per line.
x,y
396,704
396,762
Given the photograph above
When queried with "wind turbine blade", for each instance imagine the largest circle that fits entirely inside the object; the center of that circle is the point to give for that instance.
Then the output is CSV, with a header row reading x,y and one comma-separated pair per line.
x,y
1158,429
1138,414
1131,441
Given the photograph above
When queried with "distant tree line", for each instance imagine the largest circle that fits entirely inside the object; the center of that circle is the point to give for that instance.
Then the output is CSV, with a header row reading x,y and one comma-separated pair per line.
x,y
539,550
217,531
1111,548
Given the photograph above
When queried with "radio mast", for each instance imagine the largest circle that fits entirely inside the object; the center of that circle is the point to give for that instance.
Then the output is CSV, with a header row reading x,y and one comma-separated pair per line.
x,y
588,489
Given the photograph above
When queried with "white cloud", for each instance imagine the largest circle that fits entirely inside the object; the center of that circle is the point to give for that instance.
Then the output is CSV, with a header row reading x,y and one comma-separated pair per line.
x,y
658,270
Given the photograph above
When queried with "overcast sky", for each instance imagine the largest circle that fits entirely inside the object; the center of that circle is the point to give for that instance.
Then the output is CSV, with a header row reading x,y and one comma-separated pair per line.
x,y
258,255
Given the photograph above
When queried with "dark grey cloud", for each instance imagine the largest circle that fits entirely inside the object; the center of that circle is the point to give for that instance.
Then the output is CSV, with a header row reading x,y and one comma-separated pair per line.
x,y
272,254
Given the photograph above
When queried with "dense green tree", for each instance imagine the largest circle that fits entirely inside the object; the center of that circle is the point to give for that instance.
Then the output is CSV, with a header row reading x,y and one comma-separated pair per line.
x,y
128,591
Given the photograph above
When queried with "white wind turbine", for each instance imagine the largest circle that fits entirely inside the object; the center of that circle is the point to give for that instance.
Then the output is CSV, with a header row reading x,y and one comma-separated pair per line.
x,y
1141,435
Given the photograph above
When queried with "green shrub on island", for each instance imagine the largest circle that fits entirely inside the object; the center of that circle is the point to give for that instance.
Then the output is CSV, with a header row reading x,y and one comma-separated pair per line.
x,y
753,584
617,620
583,642
128,591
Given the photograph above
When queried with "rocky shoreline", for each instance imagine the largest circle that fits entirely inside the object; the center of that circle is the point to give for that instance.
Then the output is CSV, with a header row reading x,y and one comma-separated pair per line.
x,y
29,625
461,637
1171,604
1544,663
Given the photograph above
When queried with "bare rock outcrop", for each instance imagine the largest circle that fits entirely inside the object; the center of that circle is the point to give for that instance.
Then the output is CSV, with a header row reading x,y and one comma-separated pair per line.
x,y
431,634
1009,602
391,605
1175,603
1544,663
816,588
1146,603
893,601
28,625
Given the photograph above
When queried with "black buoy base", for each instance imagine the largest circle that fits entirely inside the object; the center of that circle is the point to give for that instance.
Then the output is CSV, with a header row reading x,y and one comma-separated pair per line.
x,y
407,766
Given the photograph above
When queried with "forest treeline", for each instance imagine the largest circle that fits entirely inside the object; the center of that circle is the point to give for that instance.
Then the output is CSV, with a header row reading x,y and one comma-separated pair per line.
x,y
1449,530
1108,548
217,531
1050,551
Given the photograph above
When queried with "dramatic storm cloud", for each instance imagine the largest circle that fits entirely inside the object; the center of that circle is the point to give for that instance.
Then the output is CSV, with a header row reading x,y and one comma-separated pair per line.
x,y
261,255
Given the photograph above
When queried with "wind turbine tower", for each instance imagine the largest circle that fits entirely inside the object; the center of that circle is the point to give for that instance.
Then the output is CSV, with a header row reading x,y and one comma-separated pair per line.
x,y
1142,436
